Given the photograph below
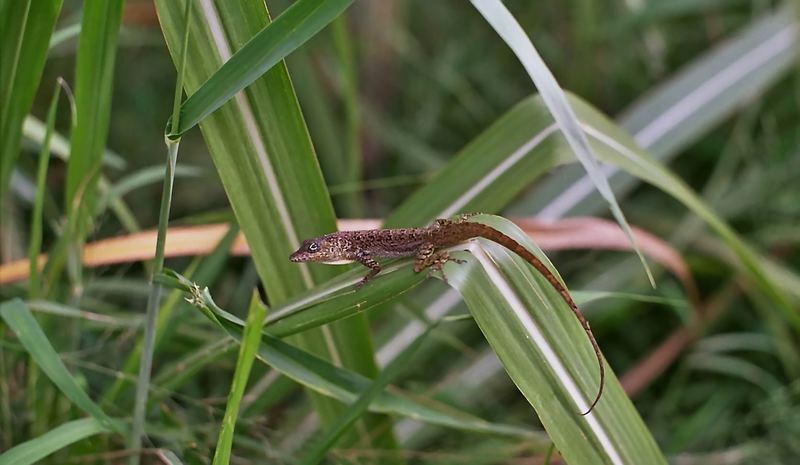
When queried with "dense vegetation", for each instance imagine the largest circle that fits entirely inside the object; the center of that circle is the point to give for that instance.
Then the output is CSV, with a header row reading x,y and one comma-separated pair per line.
x,y
405,111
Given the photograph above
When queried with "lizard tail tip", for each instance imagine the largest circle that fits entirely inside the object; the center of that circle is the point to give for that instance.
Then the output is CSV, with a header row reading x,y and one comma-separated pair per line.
x,y
598,396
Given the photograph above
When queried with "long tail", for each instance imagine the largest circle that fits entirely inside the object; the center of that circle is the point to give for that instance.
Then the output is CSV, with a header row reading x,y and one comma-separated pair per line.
x,y
496,236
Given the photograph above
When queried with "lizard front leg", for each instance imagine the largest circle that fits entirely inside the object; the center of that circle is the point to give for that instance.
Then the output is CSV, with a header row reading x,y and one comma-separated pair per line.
x,y
374,268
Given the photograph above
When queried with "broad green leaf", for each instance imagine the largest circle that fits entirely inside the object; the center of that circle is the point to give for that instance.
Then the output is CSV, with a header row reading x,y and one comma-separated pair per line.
x,y
273,43
678,112
338,300
31,336
261,149
471,180
702,95
34,450
25,30
615,146
515,37
546,353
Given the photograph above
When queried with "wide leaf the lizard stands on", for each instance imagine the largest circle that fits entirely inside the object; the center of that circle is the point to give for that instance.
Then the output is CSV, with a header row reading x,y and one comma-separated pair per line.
x,y
429,246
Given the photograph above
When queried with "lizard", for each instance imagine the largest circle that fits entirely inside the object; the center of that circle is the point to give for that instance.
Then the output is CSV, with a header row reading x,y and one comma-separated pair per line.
x,y
429,245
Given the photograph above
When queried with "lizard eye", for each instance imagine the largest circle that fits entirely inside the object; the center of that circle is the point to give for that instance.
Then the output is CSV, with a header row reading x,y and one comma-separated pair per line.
x,y
313,247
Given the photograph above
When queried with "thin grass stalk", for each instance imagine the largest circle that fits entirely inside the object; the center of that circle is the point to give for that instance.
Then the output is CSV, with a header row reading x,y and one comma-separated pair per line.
x,y
35,246
153,300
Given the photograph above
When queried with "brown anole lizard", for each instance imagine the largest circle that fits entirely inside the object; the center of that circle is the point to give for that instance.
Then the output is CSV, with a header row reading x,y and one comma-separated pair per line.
x,y
429,246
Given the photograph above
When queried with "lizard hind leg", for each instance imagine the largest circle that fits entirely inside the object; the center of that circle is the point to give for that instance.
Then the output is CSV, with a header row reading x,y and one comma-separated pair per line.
x,y
427,257
462,218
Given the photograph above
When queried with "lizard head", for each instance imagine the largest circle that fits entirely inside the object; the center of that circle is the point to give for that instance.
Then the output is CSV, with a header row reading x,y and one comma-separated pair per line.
x,y
332,249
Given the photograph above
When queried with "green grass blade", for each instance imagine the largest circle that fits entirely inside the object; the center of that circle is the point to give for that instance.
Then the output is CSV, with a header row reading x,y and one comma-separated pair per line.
x,y
25,30
684,108
329,302
337,299
34,450
94,77
20,320
475,179
293,28
247,350
515,37
37,216
615,146
545,352
93,318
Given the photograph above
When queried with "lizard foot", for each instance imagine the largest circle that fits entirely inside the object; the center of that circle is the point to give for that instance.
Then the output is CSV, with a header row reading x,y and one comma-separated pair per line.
x,y
462,218
439,261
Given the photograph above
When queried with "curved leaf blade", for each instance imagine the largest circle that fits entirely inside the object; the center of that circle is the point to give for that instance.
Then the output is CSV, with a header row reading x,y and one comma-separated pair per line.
x,y
346,385
543,348
515,37
290,30
683,108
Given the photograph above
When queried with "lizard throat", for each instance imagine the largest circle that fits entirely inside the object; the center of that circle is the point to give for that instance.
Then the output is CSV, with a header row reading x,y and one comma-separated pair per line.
x,y
338,262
